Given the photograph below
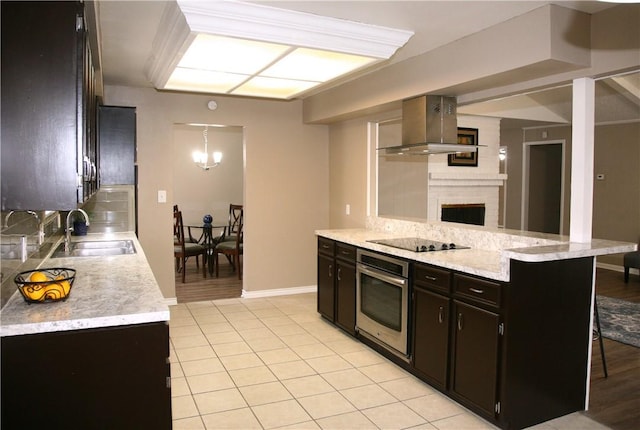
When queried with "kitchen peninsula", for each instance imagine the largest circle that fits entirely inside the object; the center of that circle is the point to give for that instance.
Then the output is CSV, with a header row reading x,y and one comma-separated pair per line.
x,y
100,359
503,327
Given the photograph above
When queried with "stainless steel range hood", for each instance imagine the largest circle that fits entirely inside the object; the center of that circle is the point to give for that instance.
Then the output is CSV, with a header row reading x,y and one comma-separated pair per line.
x,y
429,126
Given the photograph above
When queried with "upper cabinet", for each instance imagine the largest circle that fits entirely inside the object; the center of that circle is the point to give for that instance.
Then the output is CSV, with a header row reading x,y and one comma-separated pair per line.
x,y
49,152
117,143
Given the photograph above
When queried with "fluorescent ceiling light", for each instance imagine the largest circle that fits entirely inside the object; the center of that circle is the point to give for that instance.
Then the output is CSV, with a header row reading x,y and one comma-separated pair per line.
x,y
247,49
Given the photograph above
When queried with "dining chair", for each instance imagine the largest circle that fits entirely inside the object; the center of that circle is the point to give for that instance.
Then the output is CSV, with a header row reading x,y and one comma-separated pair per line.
x,y
236,218
232,250
236,215
183,249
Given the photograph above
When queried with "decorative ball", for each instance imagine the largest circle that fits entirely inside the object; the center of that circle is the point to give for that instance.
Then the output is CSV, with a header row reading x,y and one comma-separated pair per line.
x,y
208,219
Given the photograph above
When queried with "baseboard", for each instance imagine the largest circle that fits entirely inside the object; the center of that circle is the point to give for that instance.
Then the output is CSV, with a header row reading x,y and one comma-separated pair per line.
x,y
278,292
617,268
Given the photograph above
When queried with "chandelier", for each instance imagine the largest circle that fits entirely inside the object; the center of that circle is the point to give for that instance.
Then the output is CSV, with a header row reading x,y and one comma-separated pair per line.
x,y
202,158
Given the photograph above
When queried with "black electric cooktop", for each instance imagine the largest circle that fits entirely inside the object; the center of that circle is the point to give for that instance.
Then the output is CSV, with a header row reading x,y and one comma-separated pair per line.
x,y
417,244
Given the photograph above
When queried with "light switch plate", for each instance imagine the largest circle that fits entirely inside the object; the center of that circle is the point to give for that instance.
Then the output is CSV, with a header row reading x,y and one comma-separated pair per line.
x,y
162,196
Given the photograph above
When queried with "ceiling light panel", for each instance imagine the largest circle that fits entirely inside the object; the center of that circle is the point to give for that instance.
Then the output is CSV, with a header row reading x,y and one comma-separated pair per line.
x,y
203,81
220,47
232,55
273,87
316,65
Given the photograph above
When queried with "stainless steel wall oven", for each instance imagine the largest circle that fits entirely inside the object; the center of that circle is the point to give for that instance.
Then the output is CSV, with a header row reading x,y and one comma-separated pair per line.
x,y
382,300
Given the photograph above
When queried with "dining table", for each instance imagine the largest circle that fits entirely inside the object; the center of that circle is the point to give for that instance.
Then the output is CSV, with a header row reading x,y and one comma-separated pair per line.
x,y
207,235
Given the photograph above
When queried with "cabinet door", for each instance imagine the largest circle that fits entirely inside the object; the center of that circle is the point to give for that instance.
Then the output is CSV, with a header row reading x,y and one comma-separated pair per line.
x,y
475,356
117,137
431,336
326,287
346,296
40,64
105,378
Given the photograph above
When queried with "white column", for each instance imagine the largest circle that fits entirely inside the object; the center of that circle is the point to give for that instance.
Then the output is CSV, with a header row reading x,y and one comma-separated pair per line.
x,y
582,148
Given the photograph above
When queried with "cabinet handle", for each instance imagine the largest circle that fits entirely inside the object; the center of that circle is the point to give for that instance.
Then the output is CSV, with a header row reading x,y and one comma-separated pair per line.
x,y
325,246
460,321
339,269
430,278
441,315
330,270
476,290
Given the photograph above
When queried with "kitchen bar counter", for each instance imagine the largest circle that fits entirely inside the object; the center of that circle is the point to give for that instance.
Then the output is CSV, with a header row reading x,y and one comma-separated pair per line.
x,y
108,291
490,252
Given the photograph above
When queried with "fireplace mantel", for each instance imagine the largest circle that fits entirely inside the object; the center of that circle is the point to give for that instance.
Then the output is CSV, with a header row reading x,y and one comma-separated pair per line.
x,y
447,179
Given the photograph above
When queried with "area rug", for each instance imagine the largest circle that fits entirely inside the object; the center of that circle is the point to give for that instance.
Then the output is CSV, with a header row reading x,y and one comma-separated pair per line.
x,y
620,320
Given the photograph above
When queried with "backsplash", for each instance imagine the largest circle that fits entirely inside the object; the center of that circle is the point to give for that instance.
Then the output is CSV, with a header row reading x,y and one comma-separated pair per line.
x,y
479,237
28,237
25,240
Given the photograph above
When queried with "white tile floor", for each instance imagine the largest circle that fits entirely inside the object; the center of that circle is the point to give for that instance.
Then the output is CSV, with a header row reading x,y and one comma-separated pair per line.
x,y
275,363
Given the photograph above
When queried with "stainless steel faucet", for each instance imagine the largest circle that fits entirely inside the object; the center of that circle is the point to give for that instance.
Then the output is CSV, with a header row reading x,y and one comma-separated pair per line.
x,y
67,240
6,218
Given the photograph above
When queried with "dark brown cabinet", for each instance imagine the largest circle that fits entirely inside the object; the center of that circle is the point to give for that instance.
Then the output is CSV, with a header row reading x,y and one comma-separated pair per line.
x,y
117,144
431,336
103,378
326,283
337,283
476,342
456,335
48,107
475,356
346,287
431,324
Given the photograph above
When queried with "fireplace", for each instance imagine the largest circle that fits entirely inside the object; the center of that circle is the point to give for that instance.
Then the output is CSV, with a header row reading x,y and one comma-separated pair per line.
x,y
467,213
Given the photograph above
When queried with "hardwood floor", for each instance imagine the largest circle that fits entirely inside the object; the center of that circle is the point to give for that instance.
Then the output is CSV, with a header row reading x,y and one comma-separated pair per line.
x,y
615,401
196,288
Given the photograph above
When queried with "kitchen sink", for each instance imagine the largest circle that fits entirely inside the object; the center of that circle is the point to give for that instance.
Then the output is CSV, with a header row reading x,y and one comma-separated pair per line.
x,y
98,248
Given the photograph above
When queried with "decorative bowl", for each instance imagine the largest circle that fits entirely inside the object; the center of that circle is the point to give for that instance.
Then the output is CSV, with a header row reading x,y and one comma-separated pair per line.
x,y
45,285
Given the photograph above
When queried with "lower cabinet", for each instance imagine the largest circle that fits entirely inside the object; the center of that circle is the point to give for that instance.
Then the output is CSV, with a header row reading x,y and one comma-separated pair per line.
x,y
106,378
431,336
346,296
456,336
515,353
346,287
337,283
474,371
326,288
326,283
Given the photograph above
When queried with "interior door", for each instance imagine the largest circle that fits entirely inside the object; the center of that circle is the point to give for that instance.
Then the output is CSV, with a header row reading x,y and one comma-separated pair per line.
x,y
543,196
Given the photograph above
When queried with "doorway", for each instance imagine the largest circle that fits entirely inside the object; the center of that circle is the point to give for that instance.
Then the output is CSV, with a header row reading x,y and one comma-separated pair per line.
x,y
198,192
543,186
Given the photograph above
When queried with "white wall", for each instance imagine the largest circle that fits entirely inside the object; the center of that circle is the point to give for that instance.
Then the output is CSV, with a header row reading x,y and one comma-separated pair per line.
x,y
286,184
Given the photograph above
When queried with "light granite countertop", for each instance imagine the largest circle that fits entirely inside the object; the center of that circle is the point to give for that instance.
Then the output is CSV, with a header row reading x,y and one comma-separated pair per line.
x,y
489,260
108,291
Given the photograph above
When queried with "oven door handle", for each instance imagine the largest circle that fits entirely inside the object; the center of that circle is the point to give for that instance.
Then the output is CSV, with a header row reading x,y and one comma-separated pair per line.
x,y
400,282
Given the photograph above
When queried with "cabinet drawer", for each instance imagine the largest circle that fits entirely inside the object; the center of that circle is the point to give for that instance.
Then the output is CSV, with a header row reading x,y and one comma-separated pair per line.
x,y
432,278
326,246
345,252
477,290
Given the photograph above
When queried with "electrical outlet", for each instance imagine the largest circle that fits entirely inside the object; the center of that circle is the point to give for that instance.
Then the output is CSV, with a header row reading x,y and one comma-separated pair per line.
x,y
162,196
347,210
